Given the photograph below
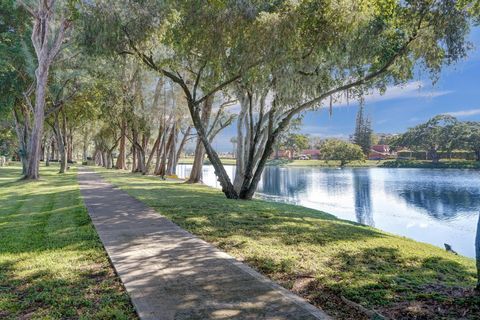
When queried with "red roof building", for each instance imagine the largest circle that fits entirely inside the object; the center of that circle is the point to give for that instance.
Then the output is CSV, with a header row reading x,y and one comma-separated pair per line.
x,y
380,152
382,148
311,153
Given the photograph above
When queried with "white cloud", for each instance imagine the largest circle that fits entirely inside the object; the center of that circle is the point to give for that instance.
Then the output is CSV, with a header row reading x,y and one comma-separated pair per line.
x,y
414,89
464,113
322,132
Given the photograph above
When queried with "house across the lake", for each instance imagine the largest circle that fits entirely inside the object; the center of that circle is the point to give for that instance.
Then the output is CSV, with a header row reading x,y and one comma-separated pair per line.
x,y
282,154
311,153
381,152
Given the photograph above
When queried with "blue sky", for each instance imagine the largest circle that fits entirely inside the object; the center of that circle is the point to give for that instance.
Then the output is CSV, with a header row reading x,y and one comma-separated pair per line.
x,y
457,92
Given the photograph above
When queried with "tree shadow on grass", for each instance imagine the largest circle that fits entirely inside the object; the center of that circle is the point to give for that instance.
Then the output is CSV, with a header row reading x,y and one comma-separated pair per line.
x,y
406,287
94,293
400,283
52,264
199,208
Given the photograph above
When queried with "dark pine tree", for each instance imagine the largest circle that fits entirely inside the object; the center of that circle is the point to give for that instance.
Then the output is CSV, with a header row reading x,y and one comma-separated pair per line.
x,y
363,130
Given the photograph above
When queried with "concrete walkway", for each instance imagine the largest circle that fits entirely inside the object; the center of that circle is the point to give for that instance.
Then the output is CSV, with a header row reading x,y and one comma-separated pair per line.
x,y
171,274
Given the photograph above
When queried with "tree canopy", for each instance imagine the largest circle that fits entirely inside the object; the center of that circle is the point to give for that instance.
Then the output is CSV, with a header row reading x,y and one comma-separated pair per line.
x,y
342,151
275,59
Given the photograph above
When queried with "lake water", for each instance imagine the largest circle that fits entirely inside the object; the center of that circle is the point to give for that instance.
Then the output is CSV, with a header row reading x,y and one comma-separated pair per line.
x,y
428,205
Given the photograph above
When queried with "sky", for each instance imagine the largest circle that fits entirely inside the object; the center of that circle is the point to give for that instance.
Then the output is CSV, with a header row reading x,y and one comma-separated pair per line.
x,y
457,92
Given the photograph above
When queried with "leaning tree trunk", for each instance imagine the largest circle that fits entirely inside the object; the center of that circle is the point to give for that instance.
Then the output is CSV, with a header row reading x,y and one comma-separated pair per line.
x,y
172,155
182,144
197,168
222,176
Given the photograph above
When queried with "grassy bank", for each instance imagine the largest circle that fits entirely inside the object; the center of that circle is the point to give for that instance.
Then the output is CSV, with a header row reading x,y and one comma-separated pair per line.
x,y
189,160
444,164
297,163
324,163
52,264
318,256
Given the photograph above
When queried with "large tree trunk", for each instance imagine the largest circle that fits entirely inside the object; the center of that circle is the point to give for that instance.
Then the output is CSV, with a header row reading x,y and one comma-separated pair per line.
x,y
163,159
98,157
39,117
48,145
54,151
154,149
240,152
84,152
159,151
134,158
22,131
60,130
222,176
434,156
121,160
172,155
65,147
182,144
141,161
104,158
109,160
70,146
197,168
46,52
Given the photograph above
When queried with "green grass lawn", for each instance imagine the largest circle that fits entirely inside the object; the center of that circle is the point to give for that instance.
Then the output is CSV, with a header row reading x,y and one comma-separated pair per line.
x,y
52,263
318,256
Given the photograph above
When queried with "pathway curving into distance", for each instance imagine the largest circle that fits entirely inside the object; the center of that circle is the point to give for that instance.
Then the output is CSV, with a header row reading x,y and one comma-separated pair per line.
x,y
171,274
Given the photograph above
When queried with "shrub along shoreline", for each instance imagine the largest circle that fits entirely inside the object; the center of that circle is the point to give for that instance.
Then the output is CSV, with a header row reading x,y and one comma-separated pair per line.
x,y
318,256
427,164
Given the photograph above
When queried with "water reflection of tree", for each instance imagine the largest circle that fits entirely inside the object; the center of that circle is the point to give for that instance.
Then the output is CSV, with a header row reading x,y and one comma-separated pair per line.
x,y
442,202
337,181
279,181
363,198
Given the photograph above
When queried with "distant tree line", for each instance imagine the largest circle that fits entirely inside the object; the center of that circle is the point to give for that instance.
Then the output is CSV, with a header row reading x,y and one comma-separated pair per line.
x,y
442,134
